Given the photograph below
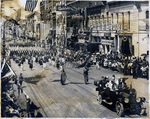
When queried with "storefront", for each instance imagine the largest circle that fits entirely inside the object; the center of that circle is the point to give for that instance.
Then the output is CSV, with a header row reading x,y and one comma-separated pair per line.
x,y
106,45
107,42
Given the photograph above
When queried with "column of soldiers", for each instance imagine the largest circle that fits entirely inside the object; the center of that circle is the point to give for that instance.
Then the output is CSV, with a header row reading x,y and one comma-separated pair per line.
x,y
28,56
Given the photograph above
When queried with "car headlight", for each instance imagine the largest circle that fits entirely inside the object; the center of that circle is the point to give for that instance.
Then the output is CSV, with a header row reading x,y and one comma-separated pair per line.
x,y
126,100
138,99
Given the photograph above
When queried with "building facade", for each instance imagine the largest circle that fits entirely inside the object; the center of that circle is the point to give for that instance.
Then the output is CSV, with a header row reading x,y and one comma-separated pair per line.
x,y
94,26
120,22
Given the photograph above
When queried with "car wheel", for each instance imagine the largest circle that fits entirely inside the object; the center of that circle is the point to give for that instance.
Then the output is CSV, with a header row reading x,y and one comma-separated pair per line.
x,y
142,111
99,99
119,109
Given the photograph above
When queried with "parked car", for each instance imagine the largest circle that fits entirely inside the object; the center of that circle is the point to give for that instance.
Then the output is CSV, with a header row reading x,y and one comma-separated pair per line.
x,y
123,99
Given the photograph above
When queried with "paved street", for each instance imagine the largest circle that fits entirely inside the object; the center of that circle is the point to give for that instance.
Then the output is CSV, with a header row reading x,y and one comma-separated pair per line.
x,y
75,99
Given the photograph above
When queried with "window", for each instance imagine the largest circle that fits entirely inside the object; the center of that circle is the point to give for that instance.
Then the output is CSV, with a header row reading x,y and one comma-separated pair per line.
x,y
123,21
147,17
107,27
147,14
103,25
117,17
112,21
129,20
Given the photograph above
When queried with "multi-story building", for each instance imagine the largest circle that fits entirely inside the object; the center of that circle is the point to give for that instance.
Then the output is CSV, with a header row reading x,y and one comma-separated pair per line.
x,y
121,22
115,25
33,25
48,22
97,25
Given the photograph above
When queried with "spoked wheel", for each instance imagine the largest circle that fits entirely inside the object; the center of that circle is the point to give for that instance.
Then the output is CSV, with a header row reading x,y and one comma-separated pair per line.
x,y
142,111
119,109
99,99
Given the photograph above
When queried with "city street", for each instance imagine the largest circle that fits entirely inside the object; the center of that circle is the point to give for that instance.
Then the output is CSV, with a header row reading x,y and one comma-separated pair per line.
x,y
74,59
75,99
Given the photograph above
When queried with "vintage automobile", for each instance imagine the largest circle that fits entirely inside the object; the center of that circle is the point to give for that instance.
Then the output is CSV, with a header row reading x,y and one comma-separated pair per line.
x,y
123,99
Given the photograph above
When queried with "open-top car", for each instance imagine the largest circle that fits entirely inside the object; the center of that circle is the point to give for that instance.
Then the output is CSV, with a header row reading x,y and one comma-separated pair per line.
x,y
122,98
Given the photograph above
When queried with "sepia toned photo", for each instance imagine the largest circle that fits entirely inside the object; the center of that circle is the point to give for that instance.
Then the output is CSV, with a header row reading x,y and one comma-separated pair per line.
x,y
74,59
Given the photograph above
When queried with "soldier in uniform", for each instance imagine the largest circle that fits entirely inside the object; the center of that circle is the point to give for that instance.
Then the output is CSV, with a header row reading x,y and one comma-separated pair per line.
x,y
20,79
63,77
85,73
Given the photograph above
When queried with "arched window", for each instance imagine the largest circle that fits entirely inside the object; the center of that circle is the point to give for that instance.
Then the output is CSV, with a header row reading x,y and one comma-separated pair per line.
x,y
147,17
147,14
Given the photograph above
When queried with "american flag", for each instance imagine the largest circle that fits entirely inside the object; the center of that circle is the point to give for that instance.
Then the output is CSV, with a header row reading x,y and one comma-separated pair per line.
x,y
30,5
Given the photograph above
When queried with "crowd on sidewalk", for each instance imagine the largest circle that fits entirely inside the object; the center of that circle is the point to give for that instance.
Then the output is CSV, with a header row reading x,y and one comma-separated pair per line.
x,y
128,65
12,93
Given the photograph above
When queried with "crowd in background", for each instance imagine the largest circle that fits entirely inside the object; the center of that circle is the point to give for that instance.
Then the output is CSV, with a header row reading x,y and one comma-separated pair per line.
x,y
128,65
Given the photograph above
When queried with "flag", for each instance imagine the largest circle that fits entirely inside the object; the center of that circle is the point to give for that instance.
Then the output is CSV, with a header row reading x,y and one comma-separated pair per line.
x,y
30,5
18,15
125,49
6,70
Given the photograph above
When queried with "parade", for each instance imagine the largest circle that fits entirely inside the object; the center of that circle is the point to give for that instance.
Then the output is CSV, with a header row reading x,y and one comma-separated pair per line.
x,y
76,59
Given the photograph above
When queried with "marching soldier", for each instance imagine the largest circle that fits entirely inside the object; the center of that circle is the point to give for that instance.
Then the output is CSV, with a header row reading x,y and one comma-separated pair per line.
x,y
63,77
85,73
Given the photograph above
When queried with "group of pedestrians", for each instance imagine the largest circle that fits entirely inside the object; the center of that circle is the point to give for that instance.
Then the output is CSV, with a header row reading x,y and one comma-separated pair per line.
x,y
128,65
